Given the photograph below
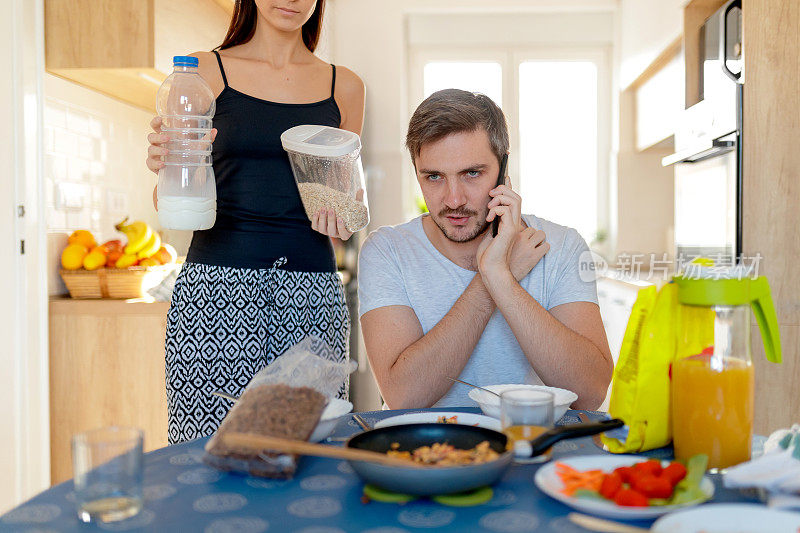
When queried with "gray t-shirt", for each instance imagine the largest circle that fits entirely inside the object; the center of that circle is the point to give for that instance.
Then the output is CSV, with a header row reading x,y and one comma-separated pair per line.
x,y
398,265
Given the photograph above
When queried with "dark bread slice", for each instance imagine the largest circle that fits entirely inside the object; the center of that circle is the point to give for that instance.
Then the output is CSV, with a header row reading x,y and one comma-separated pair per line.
x,y
275,410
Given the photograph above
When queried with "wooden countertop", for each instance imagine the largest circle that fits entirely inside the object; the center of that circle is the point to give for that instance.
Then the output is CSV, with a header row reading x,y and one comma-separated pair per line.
x,y
137,306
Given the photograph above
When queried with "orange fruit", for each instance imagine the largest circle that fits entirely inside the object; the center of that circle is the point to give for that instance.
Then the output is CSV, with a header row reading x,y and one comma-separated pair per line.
x,y
149,261
83,237
166,254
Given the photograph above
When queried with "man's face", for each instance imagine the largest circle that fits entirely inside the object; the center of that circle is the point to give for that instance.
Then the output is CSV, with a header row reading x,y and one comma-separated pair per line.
x,y
456,174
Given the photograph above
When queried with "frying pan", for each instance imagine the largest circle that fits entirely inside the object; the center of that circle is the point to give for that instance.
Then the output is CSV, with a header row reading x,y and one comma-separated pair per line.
x,y
366,453
450,479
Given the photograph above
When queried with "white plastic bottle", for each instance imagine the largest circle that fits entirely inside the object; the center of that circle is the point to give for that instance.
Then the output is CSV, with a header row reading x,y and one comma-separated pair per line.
x,y
187,191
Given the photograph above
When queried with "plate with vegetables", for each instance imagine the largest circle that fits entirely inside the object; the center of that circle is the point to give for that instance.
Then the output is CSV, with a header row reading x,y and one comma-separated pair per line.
x,y
626,486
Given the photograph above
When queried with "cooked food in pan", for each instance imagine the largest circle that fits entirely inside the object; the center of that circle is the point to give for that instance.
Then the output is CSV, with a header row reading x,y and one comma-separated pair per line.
x,y
443,454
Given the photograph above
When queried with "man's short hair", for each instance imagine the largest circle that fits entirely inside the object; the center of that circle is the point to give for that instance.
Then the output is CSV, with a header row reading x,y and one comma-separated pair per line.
x,y
455,111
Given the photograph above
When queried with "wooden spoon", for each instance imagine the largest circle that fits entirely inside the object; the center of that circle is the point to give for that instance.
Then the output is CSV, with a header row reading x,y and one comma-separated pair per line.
x,y
261,443
605,526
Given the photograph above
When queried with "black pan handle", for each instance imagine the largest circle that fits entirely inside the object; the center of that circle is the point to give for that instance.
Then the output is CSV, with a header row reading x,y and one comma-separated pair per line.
x,y
543,442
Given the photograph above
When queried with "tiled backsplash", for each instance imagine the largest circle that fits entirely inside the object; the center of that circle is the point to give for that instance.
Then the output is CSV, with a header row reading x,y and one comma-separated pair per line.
x,y
94,166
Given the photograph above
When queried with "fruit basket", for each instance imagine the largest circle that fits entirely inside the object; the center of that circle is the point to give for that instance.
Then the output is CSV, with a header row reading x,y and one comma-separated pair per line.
x,y
131,282
114,269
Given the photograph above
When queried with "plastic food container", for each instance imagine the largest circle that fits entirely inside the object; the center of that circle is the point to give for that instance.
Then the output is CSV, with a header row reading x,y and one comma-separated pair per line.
x,y
326,164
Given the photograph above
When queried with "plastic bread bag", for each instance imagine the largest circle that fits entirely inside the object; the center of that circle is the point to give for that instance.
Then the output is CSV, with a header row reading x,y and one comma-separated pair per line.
x,y
285,399
640,393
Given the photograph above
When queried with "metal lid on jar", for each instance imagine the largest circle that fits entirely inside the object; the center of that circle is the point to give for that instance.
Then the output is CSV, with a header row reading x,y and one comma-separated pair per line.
x,y
322,141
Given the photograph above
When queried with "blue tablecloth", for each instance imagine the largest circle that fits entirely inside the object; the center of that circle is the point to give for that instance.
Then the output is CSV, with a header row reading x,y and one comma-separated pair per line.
x,y
182,494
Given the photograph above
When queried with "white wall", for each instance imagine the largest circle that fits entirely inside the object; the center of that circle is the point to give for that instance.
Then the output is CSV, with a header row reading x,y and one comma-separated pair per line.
x,y
647,27
94,153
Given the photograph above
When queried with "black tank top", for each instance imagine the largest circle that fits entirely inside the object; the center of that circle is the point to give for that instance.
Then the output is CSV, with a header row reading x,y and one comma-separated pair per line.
x,y
260,217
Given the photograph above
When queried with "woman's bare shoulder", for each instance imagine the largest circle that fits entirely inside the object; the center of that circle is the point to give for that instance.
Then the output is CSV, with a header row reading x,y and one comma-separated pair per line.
x,y
350,93
208,68
349,83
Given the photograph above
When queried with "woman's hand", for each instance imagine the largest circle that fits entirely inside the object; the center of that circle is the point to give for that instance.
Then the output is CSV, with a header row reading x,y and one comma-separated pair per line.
x,y
528,249
327,223
516,249
156,150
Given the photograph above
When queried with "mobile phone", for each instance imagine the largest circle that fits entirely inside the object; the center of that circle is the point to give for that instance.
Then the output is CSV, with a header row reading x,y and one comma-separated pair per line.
x,y
501,179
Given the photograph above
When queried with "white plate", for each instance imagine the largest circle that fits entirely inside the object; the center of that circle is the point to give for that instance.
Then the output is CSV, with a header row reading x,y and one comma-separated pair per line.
x,y
467,419
490,404
727,517
548,481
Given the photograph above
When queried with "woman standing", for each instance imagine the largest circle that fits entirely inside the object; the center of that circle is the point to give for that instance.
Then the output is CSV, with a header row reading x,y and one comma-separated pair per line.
x,y
263,277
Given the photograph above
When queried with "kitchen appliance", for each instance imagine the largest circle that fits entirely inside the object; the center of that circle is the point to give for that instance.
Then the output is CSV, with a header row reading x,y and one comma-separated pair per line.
x,y
712,373
708,147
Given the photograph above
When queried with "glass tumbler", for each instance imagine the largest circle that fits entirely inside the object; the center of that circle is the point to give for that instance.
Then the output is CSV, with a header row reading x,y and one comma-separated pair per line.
x,y
525,414
107,464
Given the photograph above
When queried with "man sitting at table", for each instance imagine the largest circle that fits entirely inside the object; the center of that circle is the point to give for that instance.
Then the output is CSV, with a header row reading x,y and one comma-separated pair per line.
x,y
441,298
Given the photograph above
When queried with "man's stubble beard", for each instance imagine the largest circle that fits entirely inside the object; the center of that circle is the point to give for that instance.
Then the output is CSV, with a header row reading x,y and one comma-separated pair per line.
x,y
480,226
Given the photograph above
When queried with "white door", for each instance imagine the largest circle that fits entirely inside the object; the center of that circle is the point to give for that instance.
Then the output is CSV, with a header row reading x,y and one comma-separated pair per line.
x,y
24,448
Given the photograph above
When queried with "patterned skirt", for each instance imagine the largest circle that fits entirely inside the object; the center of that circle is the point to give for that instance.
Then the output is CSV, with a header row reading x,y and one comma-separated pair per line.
x,y
225,324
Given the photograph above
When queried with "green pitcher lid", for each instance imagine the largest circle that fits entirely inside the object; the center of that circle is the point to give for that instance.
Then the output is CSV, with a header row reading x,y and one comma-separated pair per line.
x,y
706,286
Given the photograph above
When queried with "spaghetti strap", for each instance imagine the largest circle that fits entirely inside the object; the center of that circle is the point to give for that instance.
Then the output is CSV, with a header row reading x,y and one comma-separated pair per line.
x,y
221,70
333,81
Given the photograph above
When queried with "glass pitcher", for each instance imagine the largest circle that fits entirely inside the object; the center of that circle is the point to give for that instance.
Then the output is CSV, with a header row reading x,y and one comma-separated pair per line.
x,y
712,372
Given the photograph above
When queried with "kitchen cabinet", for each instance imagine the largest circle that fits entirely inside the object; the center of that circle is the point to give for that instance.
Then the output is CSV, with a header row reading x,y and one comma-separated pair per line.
x,y
106,368
772,193
124,48
659,100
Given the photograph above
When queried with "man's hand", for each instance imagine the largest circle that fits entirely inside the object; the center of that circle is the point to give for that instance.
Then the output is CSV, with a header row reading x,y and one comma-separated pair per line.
x,y
494,253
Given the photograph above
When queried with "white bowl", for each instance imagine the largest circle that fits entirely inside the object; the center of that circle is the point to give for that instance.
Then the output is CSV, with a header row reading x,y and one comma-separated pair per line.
x,y
432,417
335,409
490,404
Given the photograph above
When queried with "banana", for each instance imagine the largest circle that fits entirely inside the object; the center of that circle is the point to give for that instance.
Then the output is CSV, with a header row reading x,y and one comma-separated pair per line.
x,y
150,248
138,233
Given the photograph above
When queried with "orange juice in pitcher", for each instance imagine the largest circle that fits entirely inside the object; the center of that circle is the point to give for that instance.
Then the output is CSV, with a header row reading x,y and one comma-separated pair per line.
x,y
712,391
712,409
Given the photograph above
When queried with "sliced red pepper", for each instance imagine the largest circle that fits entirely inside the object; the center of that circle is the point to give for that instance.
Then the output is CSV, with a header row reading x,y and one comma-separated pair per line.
x,y
625,473
630,498
652,467
674,472
610,485
653,486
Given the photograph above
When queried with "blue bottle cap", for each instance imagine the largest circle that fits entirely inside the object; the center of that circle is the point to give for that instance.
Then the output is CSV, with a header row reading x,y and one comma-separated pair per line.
x,y
185,61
